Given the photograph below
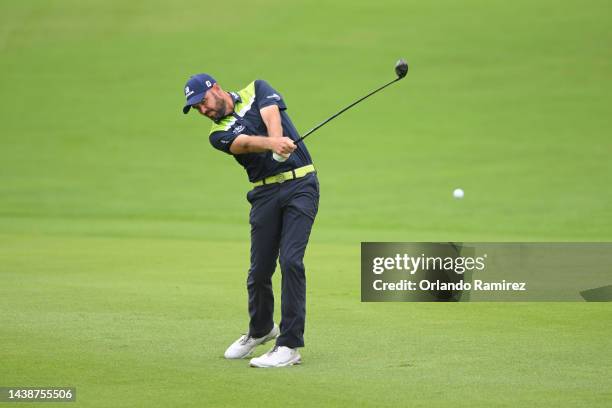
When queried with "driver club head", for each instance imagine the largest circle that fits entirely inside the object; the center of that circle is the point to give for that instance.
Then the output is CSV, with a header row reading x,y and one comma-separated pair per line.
x,y
401,68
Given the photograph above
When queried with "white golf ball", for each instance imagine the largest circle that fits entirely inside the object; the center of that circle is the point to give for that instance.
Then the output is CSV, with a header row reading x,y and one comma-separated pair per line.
x,y
458,193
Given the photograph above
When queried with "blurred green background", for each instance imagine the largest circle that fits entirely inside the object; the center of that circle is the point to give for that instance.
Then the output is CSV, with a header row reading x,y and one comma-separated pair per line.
x,y
124,234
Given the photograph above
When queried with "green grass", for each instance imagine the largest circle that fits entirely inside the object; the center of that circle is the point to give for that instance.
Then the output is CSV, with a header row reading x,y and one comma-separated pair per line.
x,y
124,235
143,322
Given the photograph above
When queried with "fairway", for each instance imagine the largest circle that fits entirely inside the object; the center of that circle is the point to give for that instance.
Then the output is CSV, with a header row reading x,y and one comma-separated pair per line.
x,y
124,236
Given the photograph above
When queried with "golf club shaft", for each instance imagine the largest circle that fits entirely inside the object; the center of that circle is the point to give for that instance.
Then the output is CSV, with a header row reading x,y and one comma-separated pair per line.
x,y
344,110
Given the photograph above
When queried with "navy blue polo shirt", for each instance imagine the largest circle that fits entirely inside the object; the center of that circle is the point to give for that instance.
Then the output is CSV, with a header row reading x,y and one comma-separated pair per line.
x,y
246,119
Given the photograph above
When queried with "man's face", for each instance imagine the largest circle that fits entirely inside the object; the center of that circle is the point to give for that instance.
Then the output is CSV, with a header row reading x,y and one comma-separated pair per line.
x,y
213,106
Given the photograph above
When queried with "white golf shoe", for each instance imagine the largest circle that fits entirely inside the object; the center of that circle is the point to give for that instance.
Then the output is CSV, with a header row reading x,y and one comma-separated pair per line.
x,y
246,343
279,356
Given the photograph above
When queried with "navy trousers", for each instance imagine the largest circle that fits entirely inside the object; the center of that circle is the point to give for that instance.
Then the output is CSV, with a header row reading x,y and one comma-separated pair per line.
x,y
281,219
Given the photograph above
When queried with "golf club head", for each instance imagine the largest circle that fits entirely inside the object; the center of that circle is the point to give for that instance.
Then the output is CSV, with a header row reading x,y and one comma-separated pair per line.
x,y
401,68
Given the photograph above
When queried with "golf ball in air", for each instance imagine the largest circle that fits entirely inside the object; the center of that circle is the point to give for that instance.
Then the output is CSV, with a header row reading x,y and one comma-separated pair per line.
x,y
458,193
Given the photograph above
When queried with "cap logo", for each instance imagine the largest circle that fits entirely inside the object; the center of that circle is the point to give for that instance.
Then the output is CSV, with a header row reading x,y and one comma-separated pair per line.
x,y
188,92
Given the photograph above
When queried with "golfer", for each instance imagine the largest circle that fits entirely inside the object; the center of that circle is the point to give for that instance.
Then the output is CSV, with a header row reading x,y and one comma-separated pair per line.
x,y
252,125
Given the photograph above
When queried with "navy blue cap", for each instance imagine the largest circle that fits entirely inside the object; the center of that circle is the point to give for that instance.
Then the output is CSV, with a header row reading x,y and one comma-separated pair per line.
x,y
196,88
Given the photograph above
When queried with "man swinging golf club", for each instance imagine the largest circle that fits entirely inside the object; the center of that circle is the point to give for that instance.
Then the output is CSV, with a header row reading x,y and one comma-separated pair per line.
x,y
252,125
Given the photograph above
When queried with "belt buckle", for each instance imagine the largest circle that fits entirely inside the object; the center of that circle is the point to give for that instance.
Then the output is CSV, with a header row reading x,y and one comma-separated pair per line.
x,y
280,178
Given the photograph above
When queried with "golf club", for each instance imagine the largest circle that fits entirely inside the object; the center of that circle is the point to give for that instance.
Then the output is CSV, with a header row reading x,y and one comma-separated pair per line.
x,y
401,69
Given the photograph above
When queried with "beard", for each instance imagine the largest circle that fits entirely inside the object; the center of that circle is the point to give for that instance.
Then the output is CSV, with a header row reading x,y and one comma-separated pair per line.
x,y
220,110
